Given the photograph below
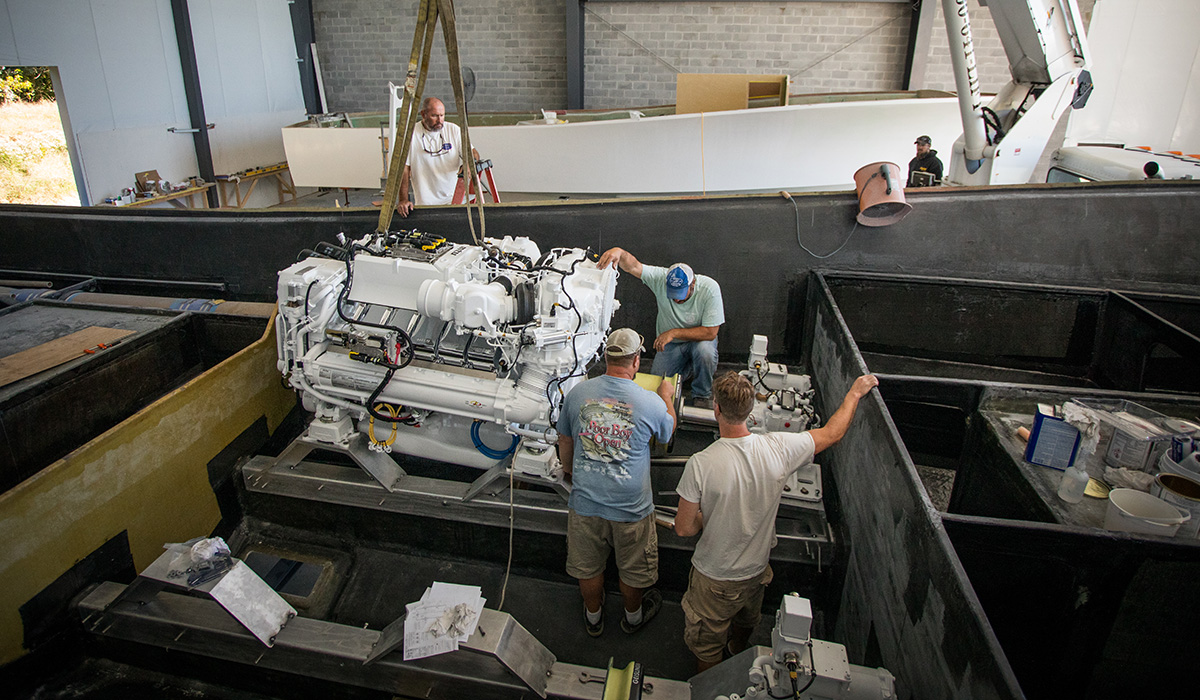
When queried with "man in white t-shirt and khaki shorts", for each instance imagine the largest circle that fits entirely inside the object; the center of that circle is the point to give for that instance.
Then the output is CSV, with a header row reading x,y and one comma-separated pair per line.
x,y
730,493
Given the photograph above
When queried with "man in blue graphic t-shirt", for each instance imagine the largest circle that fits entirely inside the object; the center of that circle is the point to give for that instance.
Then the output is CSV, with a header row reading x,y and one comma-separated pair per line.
x,y
604,430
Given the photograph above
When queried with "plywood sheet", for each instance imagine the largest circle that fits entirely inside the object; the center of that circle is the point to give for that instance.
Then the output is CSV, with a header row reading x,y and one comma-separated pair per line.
x,y
713,92
56,352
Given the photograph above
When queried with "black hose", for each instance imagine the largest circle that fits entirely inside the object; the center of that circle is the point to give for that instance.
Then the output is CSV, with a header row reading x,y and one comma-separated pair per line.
x,y
813,665
405,349
407,420
562,283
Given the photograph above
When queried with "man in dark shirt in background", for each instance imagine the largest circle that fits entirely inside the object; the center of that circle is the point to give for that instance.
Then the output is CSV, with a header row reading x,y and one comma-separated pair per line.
x,y
925,170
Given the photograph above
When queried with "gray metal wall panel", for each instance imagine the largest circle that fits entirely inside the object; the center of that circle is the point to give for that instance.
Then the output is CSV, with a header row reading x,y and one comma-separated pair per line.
x,y
1113,600
904,585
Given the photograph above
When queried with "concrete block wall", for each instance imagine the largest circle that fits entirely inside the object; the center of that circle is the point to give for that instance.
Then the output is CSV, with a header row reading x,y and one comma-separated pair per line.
x,y
517,49
633,51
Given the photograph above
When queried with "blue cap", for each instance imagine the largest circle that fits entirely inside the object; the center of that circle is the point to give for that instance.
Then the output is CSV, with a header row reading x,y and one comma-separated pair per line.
x,y
679,280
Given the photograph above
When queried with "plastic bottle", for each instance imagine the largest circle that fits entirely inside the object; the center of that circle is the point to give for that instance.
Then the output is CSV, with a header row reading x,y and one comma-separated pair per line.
x,y
1074,481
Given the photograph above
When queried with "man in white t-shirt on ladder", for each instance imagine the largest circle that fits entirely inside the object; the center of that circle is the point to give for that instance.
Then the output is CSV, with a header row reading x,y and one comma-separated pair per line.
x,y
434,160
730,493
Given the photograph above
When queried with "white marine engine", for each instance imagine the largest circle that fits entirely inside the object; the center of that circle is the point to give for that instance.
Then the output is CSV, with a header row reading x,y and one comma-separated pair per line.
x,y
783,403
451,352
783,400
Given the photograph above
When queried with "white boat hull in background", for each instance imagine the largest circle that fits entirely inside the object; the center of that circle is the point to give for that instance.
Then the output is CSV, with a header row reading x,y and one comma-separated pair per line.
x,y
796,148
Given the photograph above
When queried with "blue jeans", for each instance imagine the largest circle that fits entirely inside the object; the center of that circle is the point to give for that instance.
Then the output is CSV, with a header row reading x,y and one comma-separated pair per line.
x,y
696,359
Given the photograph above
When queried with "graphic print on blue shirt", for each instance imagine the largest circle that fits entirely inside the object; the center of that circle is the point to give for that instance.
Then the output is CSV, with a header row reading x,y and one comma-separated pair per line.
x,y
604,435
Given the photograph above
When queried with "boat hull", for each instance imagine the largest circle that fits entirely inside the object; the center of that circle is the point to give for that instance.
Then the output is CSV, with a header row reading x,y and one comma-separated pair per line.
x,y
808,147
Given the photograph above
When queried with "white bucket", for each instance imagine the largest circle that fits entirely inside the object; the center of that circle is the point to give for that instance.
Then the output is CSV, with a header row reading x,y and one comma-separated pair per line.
x,y
1190,466
1184,493
1130,510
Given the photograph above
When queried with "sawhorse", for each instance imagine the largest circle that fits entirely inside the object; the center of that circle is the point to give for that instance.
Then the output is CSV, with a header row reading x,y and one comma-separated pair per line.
x,y
283,184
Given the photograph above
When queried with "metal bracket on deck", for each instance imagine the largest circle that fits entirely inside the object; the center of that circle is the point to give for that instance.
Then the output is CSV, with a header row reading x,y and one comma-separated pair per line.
x,y
497,634
502,469
383,468
240,591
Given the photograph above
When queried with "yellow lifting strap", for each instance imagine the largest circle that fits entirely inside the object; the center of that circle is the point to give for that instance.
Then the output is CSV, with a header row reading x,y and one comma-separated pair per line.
x,y
414,87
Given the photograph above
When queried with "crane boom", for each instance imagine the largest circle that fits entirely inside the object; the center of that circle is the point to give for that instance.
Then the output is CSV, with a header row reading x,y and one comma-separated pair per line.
x,y
1047,52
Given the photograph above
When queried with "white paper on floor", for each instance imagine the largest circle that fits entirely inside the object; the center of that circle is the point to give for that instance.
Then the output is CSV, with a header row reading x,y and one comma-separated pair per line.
x,y
446,614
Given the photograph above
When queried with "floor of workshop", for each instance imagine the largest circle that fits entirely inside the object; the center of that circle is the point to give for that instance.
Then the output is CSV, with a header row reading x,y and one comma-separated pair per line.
x,y
381,581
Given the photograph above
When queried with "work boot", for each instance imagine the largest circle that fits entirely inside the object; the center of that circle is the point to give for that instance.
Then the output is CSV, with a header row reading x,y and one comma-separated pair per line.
x,y
651,602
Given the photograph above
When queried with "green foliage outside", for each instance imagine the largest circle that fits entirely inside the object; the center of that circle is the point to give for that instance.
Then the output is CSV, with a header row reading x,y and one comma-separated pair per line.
x,y
25,84
35,167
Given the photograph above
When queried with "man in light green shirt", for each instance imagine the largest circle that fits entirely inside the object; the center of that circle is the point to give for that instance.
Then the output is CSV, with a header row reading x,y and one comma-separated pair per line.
x,y
690,313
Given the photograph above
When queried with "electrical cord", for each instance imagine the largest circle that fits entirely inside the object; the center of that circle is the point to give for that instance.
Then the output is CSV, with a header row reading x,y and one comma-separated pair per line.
x,y
562,283
405,354
511,527
308,320
814,419
813,673
517,359
792,667
788,197
306,293
779,697
395,413
405,349
537,267
992,120
387,377
761,383
542,265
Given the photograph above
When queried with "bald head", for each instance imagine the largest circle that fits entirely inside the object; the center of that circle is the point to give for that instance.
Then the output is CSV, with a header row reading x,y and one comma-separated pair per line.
x,y
433,114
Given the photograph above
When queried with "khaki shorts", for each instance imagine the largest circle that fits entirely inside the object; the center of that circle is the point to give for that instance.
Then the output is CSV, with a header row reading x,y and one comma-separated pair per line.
x,y
589,540
709,606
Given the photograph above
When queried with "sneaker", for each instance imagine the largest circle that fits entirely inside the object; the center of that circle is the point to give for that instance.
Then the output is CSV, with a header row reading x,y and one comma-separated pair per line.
x,y
651,602
703,402
597,629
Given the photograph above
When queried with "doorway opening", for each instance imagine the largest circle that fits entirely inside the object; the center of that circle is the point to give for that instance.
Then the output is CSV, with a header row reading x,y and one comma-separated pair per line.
x,y
35,153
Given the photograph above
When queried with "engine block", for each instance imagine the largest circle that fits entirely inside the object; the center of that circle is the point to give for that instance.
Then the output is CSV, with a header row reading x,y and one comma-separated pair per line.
x,y
398,329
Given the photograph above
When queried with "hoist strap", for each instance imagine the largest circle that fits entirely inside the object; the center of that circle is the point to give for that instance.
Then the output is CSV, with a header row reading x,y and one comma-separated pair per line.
x,y
414,87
